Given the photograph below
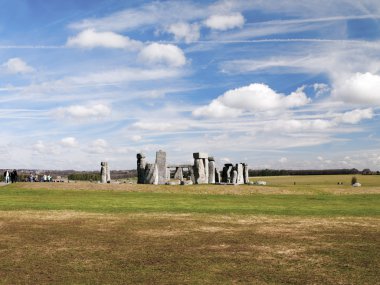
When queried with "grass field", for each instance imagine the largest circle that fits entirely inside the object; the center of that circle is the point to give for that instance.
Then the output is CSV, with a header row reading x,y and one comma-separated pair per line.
x,y
314,232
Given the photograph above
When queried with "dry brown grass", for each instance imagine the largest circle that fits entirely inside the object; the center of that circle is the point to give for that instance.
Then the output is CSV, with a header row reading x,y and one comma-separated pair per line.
x,y
67,247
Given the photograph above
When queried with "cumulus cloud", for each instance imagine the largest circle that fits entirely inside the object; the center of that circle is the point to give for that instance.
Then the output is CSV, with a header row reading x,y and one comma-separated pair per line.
x,y
98,146
355,116
85,112
90,39
17,65
360,88
166,54
216,109
255,97
69,142
184,31
320,89
225,22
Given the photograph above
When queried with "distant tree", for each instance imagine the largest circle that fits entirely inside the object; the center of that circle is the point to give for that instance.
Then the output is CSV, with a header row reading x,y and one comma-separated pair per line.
x,y
366,171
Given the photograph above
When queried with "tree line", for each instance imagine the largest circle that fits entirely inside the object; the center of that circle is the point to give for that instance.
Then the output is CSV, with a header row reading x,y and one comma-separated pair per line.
x,y
287,172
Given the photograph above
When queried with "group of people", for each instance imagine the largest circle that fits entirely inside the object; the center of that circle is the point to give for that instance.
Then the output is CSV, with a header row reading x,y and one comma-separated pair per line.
x,y
10,176
35,178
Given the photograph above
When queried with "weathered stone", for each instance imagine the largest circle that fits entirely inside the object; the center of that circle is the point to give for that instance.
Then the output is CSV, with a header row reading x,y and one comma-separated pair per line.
x,y
229,173
198,155
234,176
178,173
211,172
151,174
140,168
246,174
161,166
218,176
205,163
240,173
191,174
103,172
108,173
199,172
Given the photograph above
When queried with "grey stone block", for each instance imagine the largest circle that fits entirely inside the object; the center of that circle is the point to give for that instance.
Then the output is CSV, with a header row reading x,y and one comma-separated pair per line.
x,y
161,166
198,155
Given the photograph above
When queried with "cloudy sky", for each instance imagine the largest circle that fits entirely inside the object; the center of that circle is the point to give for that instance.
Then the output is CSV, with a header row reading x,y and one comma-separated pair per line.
x,y
277,84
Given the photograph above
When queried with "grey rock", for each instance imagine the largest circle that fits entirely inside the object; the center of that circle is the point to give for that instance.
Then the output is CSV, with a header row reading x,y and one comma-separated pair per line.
x,y
211,172
103,172
234,176
151,174
240,173
178,173
161,166
198,155
199,172
246,175
140,168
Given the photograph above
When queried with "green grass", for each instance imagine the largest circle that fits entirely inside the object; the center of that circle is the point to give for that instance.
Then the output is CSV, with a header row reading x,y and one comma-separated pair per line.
x,y
314,232
101,201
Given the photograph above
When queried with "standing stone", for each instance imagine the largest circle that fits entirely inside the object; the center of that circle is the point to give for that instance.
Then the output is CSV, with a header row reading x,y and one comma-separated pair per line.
x,y
211,170
103,172
178,174
140,168
246,175
151,174
199,155
218,176
226,175
108,172
199,172
161,166
191,174
240,173
234,176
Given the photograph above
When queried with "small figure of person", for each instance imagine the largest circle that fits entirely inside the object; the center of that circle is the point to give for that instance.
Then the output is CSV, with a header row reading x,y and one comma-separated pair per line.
x,y
6,176
14,176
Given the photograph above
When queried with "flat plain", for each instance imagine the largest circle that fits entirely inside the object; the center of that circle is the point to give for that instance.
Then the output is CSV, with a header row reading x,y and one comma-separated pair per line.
x,y
313,231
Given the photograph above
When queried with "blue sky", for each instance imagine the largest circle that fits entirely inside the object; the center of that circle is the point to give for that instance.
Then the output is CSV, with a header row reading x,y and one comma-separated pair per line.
x,y
276,84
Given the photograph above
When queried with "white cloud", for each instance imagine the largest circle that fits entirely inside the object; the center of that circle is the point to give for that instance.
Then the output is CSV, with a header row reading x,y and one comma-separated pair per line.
x,y
90,39
184,31
283,160
17,65
136,138
216,109
45,149
355,116
97,146
321,89
255,97
225,22
69,142
167,54
84,112
360,88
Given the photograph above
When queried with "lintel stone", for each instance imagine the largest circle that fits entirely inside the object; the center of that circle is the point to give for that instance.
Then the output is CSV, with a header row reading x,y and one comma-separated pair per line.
x,y
198,155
